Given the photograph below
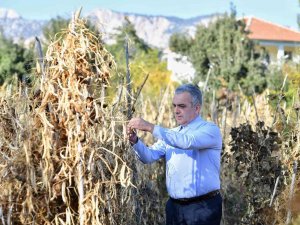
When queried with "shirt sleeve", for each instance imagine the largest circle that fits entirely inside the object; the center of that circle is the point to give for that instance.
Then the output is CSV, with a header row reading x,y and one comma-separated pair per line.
x,y
149,154
205,137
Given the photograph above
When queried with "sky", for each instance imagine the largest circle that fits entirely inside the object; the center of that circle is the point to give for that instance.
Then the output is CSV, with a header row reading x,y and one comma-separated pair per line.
x,y
282,12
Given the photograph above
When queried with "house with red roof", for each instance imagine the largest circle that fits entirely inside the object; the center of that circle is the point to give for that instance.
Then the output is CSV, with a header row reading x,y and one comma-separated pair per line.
x,y
280,42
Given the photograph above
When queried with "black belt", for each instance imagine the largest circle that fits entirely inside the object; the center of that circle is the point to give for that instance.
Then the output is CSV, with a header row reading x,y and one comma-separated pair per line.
x,y
200,198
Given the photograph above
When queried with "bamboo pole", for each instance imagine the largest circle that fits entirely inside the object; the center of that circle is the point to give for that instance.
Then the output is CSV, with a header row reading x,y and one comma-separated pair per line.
x,y
204,110
254,104
120,92
10,210
274,191
207,78
128,82
279,100
214,113
2,217
162,106
139,91
40,58
80,174
224,118
79,148
129,116
237,110
291,195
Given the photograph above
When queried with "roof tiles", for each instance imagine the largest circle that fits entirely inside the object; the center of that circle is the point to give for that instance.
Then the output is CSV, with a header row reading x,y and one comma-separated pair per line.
x,y
263,30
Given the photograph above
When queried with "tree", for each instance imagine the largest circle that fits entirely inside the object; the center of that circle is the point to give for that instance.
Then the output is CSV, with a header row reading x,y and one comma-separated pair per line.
x,y
159,76
143,60
180,43
137,46
14,60
54,26
224,48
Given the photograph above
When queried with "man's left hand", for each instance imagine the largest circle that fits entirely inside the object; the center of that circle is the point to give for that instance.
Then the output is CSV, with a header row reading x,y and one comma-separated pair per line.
x,y
140,124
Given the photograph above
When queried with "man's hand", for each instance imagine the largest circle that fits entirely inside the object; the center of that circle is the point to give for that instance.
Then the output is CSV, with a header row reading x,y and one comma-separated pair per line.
x,y
132,137
140,124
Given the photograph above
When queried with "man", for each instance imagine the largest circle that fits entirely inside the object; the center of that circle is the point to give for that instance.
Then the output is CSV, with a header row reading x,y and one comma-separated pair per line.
x,y
192,153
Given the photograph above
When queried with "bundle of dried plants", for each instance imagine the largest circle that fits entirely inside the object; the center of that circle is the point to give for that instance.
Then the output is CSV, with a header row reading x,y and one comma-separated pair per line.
x,y
62,152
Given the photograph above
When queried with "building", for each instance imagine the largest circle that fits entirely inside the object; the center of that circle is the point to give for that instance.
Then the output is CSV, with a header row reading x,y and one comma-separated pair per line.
x,y
181,68
280,42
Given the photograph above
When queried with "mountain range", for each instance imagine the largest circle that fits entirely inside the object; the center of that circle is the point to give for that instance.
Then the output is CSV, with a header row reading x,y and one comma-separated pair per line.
x,y
154,30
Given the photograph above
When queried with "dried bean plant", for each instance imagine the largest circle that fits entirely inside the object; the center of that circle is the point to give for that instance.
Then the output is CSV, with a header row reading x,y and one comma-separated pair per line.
x,y
63,146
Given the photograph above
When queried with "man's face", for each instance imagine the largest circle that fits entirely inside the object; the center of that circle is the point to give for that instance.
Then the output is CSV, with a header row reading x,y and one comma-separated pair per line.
x,y
184,110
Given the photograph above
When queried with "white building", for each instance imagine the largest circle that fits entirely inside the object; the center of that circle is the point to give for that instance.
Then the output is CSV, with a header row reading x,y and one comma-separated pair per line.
x,y
280,42
181,68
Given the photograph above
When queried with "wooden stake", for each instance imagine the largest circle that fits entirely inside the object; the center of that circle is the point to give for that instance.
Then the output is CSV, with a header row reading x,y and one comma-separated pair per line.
x,y
289,214
39,50
274,191
128,82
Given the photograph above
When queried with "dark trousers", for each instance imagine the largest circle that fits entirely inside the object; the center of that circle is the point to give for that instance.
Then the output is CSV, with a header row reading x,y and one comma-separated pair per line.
x,y
206,212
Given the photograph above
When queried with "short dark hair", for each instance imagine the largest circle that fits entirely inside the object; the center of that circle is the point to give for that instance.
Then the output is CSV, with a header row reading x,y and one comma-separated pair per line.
x,y
194,92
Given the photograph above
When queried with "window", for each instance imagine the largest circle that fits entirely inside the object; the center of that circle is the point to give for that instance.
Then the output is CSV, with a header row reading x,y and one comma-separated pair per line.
x,y
288,55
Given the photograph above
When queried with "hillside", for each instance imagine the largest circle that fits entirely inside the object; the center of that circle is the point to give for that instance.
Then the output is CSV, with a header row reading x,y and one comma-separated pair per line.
x,y
155,30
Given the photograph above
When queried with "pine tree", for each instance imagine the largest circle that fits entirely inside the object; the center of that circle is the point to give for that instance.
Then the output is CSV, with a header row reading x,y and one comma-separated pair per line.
x,y
180,43
143,60
15,60
224,47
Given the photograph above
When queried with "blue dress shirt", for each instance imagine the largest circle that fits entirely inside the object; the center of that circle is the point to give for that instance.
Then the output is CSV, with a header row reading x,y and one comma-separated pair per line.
x,y
192,156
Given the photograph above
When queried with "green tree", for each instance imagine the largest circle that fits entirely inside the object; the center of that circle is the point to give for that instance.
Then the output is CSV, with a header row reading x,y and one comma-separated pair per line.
x,y
180,43
54,26
159,76
224,47
15,60
143,60
137,46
